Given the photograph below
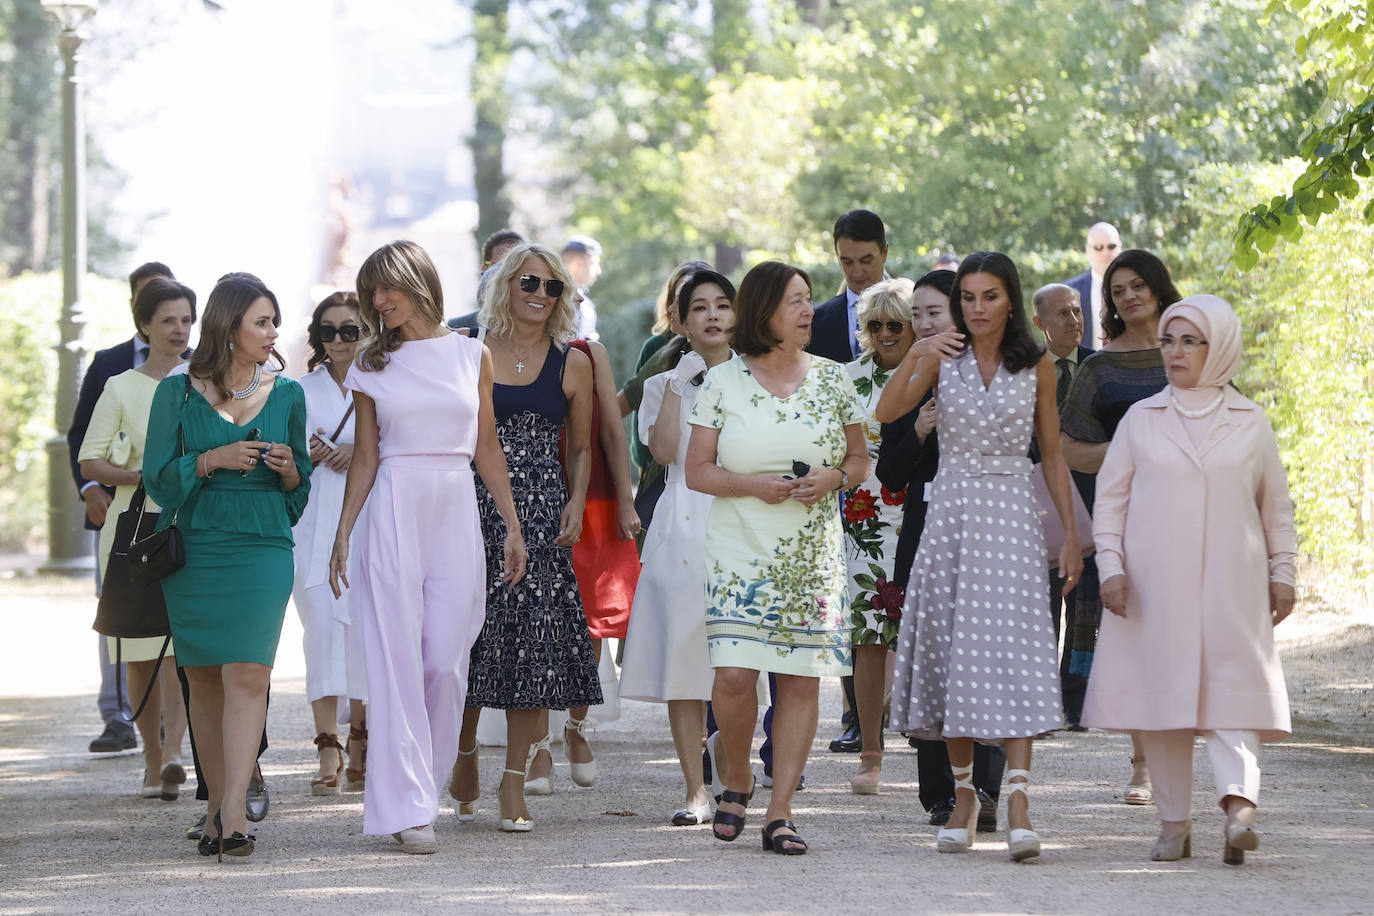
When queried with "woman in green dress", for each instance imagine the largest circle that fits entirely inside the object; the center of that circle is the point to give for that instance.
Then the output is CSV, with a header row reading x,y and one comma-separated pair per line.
x,y
775,435
227,459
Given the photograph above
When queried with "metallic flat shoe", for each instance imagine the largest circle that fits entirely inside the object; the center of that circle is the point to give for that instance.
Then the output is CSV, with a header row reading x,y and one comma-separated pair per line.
x,y
196,830
257,801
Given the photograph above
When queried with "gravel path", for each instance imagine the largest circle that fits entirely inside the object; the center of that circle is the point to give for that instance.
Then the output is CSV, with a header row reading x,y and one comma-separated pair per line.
x,y
73,838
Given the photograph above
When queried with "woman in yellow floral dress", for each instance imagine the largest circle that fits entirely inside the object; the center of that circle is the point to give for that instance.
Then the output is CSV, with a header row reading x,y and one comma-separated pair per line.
x,y
872,522
776,433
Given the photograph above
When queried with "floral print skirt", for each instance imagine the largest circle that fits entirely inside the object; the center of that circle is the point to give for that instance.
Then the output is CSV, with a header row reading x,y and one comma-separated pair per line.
x,y
776,589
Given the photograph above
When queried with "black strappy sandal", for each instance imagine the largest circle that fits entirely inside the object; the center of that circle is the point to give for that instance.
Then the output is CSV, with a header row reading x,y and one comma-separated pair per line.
x,y
724,818
789,844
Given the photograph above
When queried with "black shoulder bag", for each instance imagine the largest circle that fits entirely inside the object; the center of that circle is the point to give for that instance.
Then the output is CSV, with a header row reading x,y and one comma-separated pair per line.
x,y
158,555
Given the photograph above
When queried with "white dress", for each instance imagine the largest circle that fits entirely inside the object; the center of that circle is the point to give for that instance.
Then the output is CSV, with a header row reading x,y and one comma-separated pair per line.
x,y
334,661
665,645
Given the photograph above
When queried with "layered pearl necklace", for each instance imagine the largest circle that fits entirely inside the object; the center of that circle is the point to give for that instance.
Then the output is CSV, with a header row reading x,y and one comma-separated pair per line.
x,y
252,385
1201,411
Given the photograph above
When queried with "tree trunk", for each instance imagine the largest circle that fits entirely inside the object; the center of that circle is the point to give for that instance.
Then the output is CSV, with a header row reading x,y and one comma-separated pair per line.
x,y
490,21
32,82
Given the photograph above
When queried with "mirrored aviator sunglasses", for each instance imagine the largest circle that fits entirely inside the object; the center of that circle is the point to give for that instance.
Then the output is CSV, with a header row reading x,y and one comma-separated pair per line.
x,y
553,288
349,333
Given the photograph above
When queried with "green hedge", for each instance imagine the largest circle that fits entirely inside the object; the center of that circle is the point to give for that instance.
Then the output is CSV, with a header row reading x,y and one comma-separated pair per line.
x,y
29,308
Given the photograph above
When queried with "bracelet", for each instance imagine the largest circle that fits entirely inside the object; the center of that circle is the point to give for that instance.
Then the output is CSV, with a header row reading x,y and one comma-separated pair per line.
x,y
205,463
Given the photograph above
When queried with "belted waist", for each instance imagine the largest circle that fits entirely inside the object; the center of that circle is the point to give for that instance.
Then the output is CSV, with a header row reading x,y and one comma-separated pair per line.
x,y
231,481
976,464
430,462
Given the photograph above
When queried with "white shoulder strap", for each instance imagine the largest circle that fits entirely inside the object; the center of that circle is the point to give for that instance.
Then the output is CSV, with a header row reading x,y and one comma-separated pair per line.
x,y
481,335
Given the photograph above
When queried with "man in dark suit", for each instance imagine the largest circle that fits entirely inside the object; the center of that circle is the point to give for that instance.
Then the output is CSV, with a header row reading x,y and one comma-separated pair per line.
x,y
1103,244
861,248
1059,317
119,732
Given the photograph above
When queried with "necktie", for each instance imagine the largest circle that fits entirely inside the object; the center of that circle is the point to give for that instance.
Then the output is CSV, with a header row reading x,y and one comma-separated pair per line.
x,y
1061,390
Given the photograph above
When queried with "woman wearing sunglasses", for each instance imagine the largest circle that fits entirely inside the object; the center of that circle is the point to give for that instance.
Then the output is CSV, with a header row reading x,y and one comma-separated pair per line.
x,y
534,652
872,520
334,664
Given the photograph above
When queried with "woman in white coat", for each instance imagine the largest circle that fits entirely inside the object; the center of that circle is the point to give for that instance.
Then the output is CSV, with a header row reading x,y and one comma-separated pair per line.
x,y
1196,548
666,660
334,663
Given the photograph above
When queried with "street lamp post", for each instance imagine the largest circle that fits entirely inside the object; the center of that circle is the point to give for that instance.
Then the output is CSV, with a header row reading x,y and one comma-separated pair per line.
x,y
69,547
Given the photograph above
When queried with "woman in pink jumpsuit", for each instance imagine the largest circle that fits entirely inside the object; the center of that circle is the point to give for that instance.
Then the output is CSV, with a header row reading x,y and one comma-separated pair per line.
x,y
424,417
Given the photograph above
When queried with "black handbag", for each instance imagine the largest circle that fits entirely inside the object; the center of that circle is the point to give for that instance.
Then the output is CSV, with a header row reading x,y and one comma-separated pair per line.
x,y
128,608
158,555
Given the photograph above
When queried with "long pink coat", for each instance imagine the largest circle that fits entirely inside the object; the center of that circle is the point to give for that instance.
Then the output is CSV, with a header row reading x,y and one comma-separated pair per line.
x,y
1201,530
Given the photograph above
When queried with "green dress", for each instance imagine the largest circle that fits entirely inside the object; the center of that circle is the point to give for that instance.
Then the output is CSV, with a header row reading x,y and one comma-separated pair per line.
x,y
227,603
777,594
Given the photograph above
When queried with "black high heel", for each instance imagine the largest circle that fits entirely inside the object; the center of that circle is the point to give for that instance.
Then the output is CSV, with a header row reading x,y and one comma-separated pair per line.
x,y
724,818
789,844
235,844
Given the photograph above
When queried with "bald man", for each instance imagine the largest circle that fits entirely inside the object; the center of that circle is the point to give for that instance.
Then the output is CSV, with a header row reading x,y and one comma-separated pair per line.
x,y
1102,245
1060,319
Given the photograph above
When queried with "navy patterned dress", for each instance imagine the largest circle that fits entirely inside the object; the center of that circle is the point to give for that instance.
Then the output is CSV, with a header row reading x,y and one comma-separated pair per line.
x,y
534,651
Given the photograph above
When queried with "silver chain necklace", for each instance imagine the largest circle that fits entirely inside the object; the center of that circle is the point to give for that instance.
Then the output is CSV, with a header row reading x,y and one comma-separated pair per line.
x,y
252,386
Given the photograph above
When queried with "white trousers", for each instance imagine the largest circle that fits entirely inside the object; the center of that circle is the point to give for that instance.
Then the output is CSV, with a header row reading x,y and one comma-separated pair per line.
x,y
334,656
1169,755
421,597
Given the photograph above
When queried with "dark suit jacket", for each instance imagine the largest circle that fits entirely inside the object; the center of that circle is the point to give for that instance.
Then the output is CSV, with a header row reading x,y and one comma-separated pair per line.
x,y
905,461
104,366
468,321
830,331
1083,285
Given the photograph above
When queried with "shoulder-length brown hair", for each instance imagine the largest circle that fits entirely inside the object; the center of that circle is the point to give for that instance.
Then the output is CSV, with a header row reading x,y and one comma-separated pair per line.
x,y
224,311
495,313
667,297
1156,276
317,352
760,294
405,267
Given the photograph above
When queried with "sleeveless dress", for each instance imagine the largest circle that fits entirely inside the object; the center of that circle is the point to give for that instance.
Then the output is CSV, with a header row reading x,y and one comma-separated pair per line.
x,y
534,651
976,655
607,568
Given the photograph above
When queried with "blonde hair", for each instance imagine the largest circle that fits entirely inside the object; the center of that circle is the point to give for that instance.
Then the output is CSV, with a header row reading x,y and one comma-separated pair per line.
x,y
887,300
405,267
495,313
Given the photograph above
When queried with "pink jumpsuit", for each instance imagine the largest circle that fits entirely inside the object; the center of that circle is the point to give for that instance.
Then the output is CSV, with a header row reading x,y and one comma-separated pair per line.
x,y
420,586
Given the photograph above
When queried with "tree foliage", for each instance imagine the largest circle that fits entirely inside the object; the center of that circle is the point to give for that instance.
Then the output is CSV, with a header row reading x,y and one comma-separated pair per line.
x,y
1338,44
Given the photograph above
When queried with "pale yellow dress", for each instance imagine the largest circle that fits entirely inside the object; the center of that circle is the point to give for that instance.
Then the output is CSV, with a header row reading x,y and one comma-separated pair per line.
x,y
117,433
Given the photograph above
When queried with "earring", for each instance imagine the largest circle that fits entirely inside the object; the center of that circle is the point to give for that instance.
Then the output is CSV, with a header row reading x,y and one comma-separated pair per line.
x,y
231,346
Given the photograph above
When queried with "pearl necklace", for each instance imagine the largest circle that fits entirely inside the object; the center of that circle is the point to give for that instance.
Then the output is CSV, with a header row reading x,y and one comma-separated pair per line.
x,y
1201,411
252,386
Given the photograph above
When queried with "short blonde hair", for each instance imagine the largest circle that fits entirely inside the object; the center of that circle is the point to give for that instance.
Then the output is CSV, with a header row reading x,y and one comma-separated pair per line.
x,y
495,312
887,300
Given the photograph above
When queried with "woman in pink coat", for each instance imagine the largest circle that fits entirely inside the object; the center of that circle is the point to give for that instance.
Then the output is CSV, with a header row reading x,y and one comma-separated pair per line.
x,y
1196,547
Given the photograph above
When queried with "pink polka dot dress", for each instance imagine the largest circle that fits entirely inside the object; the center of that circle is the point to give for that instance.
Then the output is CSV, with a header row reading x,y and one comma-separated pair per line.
x,y
976,652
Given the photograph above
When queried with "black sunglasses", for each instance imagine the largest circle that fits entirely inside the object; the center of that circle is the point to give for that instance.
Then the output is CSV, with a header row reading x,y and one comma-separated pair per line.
x,y
349,333
893,327
554,288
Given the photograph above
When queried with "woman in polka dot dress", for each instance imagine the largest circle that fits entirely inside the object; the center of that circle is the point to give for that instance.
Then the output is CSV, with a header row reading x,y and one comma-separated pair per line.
x,y
976,654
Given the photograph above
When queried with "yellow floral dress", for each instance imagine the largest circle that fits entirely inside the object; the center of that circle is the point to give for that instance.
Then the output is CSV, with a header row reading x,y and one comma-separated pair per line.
x,y
777,592
872,523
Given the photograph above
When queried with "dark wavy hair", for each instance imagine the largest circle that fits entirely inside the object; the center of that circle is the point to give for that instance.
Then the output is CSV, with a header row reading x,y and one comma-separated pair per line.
x,y
684,296
224,311
1156,276
760,294
1020,350
345,298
